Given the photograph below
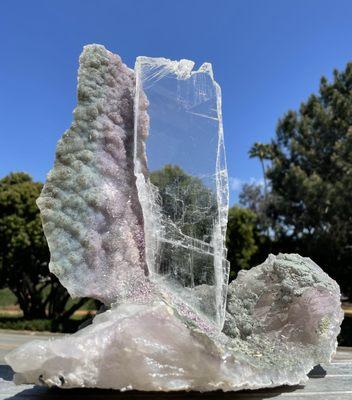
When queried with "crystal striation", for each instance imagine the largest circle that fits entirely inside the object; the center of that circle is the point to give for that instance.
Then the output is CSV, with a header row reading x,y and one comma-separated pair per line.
x,y
183,188
131,221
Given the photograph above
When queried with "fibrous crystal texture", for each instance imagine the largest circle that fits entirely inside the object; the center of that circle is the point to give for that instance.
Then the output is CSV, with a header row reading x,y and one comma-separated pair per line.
x,y
183,187
135,214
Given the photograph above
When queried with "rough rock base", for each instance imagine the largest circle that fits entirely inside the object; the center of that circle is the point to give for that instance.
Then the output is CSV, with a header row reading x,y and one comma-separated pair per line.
x,y
283,318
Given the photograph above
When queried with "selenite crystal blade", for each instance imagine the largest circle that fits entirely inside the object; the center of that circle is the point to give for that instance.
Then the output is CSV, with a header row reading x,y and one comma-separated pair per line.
x,y
183,188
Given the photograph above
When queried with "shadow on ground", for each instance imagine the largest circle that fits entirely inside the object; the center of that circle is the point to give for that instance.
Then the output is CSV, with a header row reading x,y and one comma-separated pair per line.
x,y
101,394
42,393
6,373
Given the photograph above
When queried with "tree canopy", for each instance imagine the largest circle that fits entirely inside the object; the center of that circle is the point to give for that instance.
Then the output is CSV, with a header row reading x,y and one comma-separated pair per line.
x,y
310,178
241,238
24,255
186,200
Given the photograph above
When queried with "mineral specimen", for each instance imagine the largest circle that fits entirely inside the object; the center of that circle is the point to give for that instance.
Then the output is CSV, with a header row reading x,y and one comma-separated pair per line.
x,y
135,214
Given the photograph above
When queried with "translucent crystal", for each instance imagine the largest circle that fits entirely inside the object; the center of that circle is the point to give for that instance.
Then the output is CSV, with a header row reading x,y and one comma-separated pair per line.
x,y
183,188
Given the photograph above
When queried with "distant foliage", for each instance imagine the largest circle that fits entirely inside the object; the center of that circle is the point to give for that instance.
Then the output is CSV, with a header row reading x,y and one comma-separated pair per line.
x,y
24,255
186,201
241,238
309,175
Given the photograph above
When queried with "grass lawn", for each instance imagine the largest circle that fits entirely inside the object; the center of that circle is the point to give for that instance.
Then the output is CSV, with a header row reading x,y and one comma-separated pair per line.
x,y
8,301
19,323
7,298
11,316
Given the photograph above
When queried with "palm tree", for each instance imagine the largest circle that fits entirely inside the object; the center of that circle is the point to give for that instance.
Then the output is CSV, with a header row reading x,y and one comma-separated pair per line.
x,y
263,152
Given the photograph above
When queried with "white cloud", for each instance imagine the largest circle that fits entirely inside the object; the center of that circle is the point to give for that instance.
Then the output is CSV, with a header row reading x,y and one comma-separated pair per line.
x,y
236,184
256,181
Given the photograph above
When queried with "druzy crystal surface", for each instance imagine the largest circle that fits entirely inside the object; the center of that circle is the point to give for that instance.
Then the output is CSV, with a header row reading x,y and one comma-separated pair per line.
x,y
89,205
182,181
135,213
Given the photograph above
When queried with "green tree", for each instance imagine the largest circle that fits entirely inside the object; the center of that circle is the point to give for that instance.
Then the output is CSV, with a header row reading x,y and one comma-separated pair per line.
x,y
186,201
190,207
241,238
310,176
24,255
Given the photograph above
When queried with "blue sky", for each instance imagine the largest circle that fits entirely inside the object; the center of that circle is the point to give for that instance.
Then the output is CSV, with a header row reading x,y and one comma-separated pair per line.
x,y
268,56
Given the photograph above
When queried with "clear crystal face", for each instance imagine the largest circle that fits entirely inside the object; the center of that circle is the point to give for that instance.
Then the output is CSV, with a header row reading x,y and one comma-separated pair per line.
x,y
183,189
